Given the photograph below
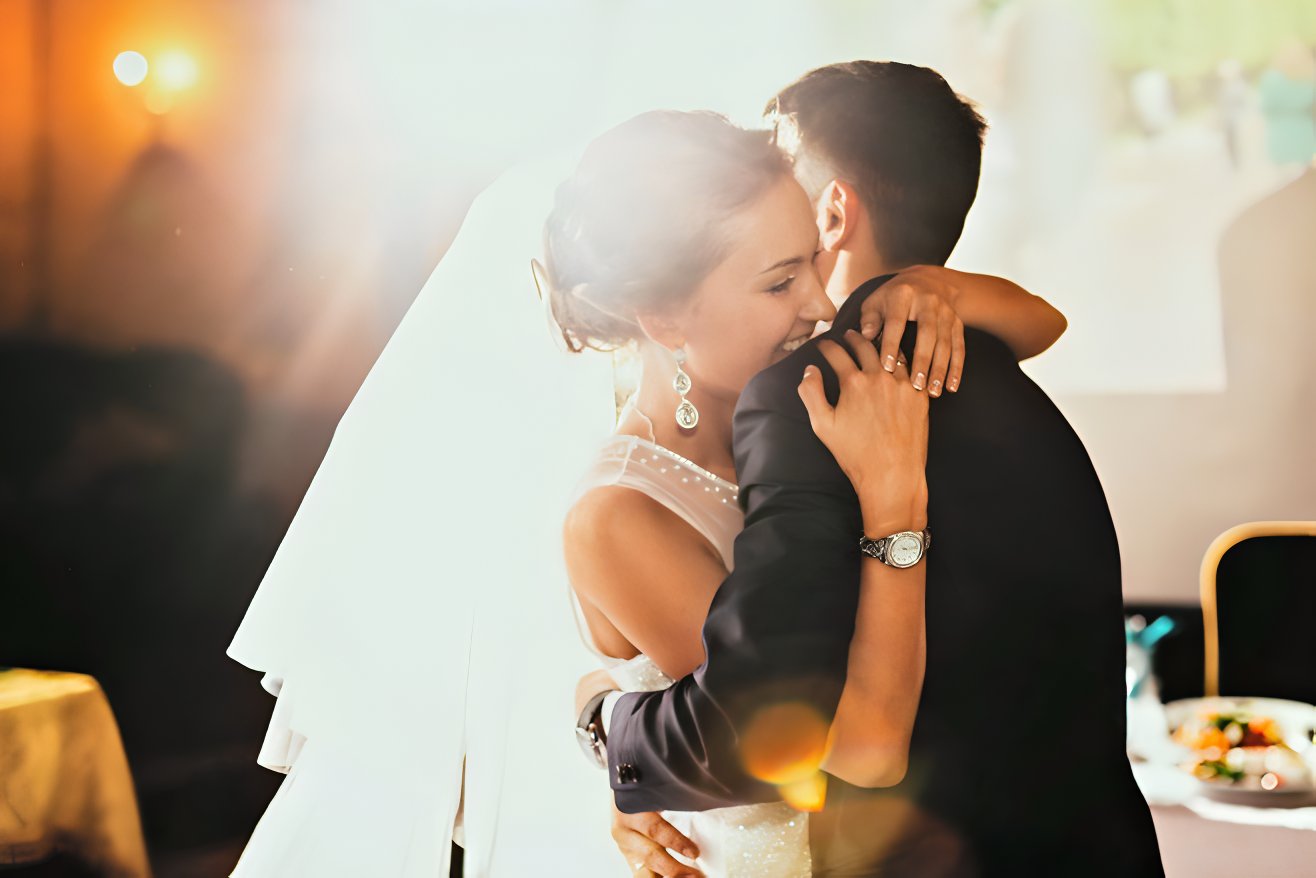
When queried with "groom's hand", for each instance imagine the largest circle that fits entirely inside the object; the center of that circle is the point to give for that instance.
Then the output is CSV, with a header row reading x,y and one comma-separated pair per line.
x,y
927,295
645,839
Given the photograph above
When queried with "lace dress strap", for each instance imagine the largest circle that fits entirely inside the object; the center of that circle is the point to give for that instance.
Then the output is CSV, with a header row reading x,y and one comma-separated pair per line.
x,y
702,499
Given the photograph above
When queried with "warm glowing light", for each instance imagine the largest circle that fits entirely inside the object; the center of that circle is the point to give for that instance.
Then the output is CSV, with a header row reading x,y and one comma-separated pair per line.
x,y
130,68
809,794
784,743
158,101
176,71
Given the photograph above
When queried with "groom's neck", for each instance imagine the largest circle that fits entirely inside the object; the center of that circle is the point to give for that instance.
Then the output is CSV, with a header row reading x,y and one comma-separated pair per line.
x,y
854,268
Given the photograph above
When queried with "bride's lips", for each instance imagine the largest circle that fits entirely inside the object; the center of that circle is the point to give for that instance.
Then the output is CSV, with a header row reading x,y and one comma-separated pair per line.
x,y
798,340
794,344
790,346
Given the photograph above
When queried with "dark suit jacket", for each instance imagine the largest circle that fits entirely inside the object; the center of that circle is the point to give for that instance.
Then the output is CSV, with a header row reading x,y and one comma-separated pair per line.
x,y
1017,764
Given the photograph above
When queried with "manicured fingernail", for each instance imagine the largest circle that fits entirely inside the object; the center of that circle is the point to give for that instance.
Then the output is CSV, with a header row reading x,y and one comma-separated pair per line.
x,y
953,385
918,381
934,389
809,370
889,363
870,331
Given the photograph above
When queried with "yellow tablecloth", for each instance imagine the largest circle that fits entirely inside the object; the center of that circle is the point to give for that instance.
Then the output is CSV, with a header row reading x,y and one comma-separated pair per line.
x,y
64,779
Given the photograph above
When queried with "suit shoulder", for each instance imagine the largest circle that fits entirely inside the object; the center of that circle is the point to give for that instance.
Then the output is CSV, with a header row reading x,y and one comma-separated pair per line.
x,y
979,342
776,388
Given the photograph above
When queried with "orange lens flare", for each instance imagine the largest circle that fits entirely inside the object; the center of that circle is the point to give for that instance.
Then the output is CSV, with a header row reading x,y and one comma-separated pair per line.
x,y
784,745
177,71
809,794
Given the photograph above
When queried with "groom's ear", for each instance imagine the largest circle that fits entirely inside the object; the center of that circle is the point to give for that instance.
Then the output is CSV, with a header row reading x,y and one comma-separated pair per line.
x,y
838,213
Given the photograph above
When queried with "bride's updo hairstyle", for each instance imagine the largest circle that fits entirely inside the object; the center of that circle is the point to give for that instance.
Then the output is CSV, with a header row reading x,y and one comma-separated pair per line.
x,y
648,213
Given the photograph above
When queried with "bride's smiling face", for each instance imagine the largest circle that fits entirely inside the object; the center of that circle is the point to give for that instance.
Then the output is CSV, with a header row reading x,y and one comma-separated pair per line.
x,y
762,301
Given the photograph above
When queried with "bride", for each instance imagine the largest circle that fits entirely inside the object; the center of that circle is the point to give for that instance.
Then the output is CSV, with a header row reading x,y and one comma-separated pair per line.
x,y
689,240
414,624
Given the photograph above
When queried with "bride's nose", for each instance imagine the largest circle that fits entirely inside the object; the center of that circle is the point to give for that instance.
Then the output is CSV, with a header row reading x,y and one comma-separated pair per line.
x,y
817,306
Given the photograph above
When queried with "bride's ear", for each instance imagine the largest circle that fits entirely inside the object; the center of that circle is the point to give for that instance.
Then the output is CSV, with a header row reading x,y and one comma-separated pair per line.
x,y
662,329
838,213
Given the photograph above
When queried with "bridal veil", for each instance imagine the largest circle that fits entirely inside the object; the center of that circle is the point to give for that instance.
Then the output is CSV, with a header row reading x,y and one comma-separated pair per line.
x,y
414,622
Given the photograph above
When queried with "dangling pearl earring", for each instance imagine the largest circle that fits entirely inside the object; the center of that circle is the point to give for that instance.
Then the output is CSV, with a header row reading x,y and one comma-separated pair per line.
x,y
687,416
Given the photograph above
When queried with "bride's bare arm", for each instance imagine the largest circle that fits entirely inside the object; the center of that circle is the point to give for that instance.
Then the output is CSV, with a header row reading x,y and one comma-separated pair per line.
x,y
620,548
878,434
868,744
943,301
647,573
1028,324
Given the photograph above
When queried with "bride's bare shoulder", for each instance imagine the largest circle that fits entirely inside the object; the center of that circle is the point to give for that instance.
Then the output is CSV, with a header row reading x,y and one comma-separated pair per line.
x,y
614,534
609,516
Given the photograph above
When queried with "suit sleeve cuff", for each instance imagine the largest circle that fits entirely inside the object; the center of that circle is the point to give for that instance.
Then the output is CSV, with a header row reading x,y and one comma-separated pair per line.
x,y
605,711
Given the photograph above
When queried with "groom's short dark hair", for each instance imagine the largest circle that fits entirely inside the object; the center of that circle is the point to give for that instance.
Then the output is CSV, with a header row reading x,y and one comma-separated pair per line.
x,y
899,134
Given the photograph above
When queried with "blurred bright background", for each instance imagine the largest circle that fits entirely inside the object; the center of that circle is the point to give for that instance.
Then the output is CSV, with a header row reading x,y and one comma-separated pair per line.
x,y
213,213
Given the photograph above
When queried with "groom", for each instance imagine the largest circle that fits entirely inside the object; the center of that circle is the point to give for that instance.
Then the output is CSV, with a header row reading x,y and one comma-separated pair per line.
x,y
1017,764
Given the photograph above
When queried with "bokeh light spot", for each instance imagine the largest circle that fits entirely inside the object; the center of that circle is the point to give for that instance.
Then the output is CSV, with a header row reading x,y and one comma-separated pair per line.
x,y
130,68
159,101
176,70
809,794
784,743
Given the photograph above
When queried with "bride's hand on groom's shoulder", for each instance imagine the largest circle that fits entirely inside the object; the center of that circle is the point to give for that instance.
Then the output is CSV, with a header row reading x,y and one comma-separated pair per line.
x,y
878,429
646,839
928,295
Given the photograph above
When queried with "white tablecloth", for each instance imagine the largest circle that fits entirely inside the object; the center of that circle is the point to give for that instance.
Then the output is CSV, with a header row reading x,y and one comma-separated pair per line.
x,y
1204,838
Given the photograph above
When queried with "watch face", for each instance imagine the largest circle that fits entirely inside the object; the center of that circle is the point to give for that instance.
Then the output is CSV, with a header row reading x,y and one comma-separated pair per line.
x,y
905,550
590,745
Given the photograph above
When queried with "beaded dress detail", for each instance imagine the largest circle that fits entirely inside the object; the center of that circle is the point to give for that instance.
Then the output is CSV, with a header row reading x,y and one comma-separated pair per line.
x,y
748,841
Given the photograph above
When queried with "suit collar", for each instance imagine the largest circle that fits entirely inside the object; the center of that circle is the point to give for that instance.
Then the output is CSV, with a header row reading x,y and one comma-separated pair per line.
x,y
847,316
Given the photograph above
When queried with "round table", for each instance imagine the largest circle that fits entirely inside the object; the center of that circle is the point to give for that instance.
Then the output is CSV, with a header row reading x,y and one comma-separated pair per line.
x,y
66,785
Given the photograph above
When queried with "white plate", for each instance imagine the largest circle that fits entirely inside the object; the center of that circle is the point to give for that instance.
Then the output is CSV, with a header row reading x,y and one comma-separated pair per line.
x,y
1296,721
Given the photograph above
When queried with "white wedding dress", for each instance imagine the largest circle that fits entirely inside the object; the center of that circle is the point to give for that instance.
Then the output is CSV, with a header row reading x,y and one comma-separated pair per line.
x,y
749,841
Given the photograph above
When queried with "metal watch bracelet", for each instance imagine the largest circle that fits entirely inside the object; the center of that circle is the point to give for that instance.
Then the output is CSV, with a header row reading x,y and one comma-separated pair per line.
x,y
901,550
589,730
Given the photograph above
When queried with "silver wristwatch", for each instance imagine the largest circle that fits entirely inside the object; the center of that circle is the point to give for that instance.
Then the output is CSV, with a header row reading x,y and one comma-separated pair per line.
x,y
903,549
589,731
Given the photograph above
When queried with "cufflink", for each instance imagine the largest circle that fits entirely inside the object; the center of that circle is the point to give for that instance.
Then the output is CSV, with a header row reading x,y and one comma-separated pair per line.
x,y
627,773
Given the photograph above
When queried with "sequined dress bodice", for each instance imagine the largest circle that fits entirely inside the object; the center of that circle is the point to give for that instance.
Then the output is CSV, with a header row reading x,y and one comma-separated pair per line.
x,y
753,841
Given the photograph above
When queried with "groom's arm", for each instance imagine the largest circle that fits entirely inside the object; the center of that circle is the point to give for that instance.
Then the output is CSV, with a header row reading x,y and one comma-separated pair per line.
x,y
778,631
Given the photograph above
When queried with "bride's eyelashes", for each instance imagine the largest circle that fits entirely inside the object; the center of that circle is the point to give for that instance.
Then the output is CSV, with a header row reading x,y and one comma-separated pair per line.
x,y
783,286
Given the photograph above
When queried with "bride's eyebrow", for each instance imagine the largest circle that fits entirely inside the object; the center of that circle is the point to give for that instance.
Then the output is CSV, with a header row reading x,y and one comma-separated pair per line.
x,y
783,263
